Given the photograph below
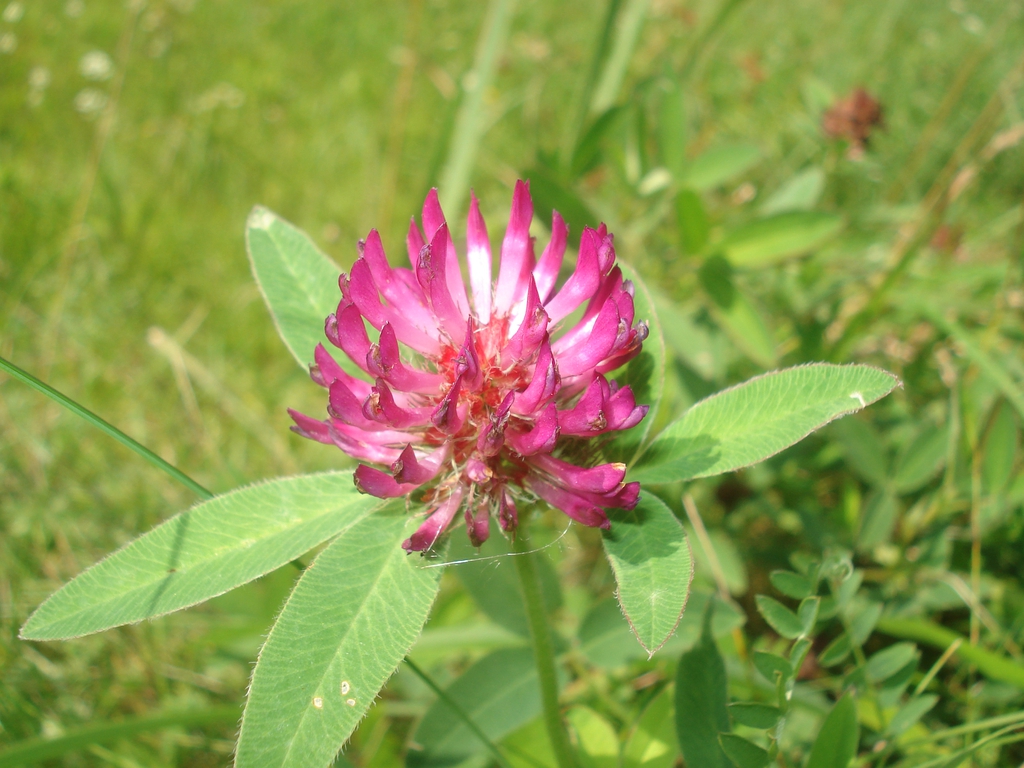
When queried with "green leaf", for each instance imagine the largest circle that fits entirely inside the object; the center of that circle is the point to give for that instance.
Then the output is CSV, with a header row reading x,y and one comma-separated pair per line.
x,y
701,712
771,664
653,742
717,166
768,241
672,129
808,613
922,459
596,740
800,193
888,661
755,715
605,638
755,420
215,546
735,312
863,622
743,753
347,625
500,692
691,221
298,282
835,651
651,559
791,584
1001,444
837,740
864,449
779,617
645,373
880,513
908,716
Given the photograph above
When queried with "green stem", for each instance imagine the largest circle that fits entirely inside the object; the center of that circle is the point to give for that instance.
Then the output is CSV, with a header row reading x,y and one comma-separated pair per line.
x,y
110,429
459,712
543,650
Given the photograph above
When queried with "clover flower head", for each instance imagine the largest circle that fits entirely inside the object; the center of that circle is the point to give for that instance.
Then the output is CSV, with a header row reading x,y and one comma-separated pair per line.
x,y
476,399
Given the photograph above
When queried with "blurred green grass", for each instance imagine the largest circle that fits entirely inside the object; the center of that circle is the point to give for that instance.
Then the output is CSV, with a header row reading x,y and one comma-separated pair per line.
x,y
338,117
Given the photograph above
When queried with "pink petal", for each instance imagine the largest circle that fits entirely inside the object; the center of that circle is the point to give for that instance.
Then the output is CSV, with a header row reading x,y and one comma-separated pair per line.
x,y
578,508
398,286
516,251
381,407
602,479
533,330
540,438
586,278
431,275
493,438
508,517
345,330
478,523
467,364
380,484
347,408
307,426
434,526
543,384
384,360
414,243
448,417
478,254
325,371
433,219
600,342
408,468
362,290
546,272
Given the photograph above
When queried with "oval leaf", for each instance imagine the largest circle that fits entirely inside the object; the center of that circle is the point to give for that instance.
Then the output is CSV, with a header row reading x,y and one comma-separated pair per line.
x,y
347,625
768,241
719,165
837,740
743,753
701,699
214,547
755,420
297,280
781,619
650,556
653,742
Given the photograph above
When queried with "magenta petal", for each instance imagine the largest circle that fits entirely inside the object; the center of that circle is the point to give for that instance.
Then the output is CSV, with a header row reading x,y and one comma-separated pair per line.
x,y
587,417
408,468
541,438
602,479
546,272
467,364
434,526
345,330
583,282
414,243
578,508
380,484
543,385
431,274
515,250
325,371
478,254
493,438
384,360
588,353
508,516
382,407
448,417
345,406
433,219
478,523
533,330
307,426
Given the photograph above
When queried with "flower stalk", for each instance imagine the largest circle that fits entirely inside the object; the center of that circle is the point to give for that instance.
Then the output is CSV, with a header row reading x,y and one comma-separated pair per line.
x,y
543,650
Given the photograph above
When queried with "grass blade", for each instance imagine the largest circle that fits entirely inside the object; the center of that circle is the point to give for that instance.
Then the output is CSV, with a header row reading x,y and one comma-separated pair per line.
x,y
27,378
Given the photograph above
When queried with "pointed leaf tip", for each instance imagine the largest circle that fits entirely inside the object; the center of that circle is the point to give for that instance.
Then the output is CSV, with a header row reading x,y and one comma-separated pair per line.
x,y
259,218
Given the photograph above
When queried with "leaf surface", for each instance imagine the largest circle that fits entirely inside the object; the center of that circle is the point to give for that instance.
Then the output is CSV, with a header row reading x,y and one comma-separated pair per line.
x,y
297,280
837,740
771,240
347,625
701,697
653,567
216,546
755,420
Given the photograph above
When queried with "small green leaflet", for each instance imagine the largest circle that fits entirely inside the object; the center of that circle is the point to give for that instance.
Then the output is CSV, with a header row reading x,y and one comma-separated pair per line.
x,y
347,625
837,740
214,547
750,422
650,556
298,281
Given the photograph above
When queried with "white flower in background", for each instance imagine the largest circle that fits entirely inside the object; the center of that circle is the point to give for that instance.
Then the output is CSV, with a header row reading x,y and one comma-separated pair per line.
x,y
13,12
221,95
96,65
8,42
38,80
89,101
74,8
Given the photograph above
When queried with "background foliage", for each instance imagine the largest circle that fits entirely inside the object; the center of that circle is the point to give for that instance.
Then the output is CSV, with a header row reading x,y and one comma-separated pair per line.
x,y
135,139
